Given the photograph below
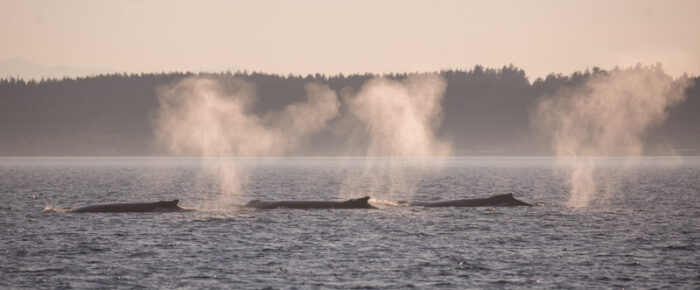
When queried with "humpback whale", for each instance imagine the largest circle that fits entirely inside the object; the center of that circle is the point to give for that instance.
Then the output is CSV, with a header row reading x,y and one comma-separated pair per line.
x,y
305,204
496,200
159,206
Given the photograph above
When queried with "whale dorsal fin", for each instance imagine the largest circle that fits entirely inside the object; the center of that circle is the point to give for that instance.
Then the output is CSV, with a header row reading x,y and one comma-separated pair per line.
x,y
171,203
359,200
504,196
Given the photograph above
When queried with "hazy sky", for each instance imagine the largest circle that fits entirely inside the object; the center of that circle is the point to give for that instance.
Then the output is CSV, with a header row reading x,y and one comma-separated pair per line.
x,y
351,36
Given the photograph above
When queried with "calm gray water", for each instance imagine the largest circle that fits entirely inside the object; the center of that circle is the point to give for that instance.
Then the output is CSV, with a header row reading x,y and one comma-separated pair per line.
x,y
641,231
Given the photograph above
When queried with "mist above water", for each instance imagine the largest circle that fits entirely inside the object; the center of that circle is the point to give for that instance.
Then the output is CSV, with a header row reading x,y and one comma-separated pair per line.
x,y
399,120
607,115
400,117
198,118
396,119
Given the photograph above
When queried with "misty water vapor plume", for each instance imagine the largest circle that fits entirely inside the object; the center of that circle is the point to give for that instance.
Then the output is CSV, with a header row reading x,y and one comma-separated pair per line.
x,y
398,119
198,117
608,115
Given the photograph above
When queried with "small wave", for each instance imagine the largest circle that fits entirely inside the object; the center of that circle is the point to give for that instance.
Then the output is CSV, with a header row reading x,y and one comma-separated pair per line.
x,y
39,269
464,265
49,208
200,277
142,255
681,247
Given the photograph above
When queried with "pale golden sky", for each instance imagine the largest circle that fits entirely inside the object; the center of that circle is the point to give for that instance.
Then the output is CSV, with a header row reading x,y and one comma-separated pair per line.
x,y
351,36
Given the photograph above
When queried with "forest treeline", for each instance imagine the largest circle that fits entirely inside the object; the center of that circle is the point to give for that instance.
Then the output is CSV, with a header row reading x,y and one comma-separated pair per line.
x,y
485,112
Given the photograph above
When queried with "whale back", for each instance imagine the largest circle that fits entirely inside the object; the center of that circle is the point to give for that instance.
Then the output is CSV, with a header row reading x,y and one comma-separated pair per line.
x,y
496,200
509,200
168,204
362,202
306,204
252,203
158,206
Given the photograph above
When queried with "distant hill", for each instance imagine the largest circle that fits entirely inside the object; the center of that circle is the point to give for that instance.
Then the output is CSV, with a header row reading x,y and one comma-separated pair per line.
x,y
24,69
485,112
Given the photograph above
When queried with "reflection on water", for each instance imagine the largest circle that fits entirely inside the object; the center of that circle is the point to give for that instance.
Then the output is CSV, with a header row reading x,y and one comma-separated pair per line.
x,y
643,235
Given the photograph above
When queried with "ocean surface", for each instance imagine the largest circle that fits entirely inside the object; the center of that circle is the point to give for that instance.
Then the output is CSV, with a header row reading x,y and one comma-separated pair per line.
x,y
641,230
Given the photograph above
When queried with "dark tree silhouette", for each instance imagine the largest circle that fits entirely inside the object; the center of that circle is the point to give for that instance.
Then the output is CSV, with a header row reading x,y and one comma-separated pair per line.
x,y
486,111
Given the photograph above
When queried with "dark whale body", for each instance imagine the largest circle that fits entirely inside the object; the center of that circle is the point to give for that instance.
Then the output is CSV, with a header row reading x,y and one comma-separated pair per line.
x,y
305,204
496,200
160,206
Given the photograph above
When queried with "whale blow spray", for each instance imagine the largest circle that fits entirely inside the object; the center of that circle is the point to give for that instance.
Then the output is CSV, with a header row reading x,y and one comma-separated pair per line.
x,y
398,120
197,117
607,115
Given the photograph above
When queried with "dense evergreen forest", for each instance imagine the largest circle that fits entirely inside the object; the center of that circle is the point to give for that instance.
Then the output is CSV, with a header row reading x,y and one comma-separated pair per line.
x,y
485,112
